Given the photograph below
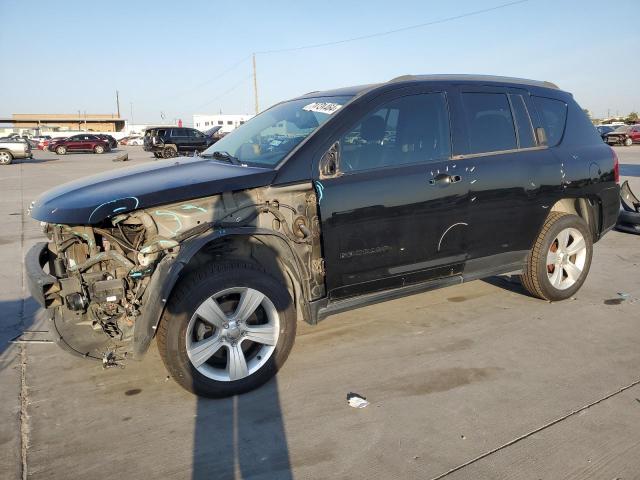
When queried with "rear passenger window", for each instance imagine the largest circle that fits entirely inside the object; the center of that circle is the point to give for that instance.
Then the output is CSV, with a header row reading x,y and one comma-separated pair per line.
x,y
410,129
553,114
523,122
489,122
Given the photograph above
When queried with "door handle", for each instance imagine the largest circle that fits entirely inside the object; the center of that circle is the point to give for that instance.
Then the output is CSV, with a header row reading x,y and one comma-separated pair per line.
x,y
445,178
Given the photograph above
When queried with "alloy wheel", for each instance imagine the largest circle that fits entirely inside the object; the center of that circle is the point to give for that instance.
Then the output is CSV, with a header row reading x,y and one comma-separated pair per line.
x,y
232,334
566,258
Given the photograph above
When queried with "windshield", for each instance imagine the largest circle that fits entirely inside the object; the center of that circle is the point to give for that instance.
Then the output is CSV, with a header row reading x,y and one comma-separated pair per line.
x,y
268,137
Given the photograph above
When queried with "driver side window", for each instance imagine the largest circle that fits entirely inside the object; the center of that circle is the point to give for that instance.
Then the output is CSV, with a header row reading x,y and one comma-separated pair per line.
x,y
411,129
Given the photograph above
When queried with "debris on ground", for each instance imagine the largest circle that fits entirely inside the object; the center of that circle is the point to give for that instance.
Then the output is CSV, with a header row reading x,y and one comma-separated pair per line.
x,y
356,401
123,157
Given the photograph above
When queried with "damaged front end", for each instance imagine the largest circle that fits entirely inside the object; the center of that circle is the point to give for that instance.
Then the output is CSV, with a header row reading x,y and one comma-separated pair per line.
x,y
107,283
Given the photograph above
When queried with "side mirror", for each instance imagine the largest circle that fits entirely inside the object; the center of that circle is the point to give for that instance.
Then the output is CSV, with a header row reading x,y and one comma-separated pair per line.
x,y
329,161
541,136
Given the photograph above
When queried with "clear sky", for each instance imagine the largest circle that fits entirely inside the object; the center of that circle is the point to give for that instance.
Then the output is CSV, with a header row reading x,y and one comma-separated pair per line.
x,y
174,57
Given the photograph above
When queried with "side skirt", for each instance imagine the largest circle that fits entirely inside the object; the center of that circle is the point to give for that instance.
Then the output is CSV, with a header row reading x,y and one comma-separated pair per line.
x,y
500,264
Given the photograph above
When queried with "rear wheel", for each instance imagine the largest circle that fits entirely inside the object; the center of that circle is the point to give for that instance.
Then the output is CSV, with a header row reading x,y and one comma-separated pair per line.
x,y
61,150
628,142
227,329
169,152
559,262
5,158
98,149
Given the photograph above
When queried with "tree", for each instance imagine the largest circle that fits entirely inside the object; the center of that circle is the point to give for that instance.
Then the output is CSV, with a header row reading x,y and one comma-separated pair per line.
x,y
632,118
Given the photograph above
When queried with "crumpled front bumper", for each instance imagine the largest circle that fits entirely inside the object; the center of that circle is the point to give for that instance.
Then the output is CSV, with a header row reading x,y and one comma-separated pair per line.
x,y
44,288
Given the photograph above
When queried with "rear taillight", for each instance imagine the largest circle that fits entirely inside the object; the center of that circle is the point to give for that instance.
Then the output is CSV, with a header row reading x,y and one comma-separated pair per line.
x,y
616,166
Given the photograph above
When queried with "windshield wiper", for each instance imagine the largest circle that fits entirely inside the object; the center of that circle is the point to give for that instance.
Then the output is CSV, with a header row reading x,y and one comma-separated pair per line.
x,y
225,156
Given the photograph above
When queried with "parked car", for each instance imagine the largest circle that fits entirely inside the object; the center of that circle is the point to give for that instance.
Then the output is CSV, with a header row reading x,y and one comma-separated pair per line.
x,y
171,141
625,135
604,129
11,148
454,178
135,141
79,143
113,143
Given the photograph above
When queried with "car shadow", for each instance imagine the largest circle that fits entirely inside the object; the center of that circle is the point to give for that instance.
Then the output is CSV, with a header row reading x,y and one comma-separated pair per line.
x,y
241,437
629,170
16,316
35,160
507,282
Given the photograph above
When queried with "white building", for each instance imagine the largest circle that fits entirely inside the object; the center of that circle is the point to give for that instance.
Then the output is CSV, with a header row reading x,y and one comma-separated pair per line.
x,y
227,122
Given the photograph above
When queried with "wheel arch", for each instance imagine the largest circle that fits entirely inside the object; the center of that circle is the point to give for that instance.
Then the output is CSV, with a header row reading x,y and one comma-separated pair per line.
x,y
267,248
587,208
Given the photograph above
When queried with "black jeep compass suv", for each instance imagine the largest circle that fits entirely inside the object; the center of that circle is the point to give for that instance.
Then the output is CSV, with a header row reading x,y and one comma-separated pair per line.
x,y
320,204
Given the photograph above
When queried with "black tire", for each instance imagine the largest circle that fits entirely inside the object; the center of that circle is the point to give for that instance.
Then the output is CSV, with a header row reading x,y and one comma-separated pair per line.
x,y
6,158
169,152
61,150
190,293
157,154
535,277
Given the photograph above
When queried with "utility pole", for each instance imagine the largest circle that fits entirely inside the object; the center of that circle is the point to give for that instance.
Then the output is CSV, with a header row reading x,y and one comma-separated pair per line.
x,y
118,102
131,103
255,83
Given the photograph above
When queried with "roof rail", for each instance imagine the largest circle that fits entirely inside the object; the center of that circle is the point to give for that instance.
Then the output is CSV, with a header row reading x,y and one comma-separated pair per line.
x,y
479,78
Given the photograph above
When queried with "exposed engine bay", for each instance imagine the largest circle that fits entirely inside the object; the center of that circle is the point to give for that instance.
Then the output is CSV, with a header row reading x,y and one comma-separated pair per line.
x,y
104,271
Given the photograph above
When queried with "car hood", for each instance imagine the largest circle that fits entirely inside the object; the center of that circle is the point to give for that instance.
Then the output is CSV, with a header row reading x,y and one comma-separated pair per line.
x,y
93,199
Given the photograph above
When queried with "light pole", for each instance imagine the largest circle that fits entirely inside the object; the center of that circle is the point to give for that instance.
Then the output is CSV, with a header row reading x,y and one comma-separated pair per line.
x,y
132,122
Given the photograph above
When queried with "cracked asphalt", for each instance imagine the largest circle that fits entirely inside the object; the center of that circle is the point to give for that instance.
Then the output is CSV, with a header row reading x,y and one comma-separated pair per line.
x,y
469,382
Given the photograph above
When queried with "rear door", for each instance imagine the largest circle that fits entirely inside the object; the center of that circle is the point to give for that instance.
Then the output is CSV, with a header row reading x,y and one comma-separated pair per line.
x,y
180,138
512,178
395,212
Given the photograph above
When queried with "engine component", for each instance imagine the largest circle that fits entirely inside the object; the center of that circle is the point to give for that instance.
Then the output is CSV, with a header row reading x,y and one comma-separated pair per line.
x,y
76,301
107,290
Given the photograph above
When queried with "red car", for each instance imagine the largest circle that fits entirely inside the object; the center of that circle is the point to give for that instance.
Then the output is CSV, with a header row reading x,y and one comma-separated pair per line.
x,y
624,135
79,143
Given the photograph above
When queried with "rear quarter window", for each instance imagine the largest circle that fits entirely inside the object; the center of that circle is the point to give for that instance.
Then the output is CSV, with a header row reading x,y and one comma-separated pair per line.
x,y
553,114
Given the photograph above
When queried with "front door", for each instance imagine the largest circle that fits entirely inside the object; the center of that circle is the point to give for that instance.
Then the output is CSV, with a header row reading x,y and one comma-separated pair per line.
x,y
395,212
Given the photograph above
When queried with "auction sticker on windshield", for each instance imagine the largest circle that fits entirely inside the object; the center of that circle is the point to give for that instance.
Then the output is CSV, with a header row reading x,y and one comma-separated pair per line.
x,y
322,107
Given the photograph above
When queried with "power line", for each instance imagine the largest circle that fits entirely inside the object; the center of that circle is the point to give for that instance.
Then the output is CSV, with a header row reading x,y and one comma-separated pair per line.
x,y
225,92
213,79
397,30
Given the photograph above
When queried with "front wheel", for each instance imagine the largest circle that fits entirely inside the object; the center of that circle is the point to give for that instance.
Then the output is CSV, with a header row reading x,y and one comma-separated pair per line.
x,y
559,261
628,142
227,329
98,149
61,150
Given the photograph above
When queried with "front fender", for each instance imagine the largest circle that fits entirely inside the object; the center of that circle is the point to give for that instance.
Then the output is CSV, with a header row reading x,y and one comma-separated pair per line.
x,y
167,274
